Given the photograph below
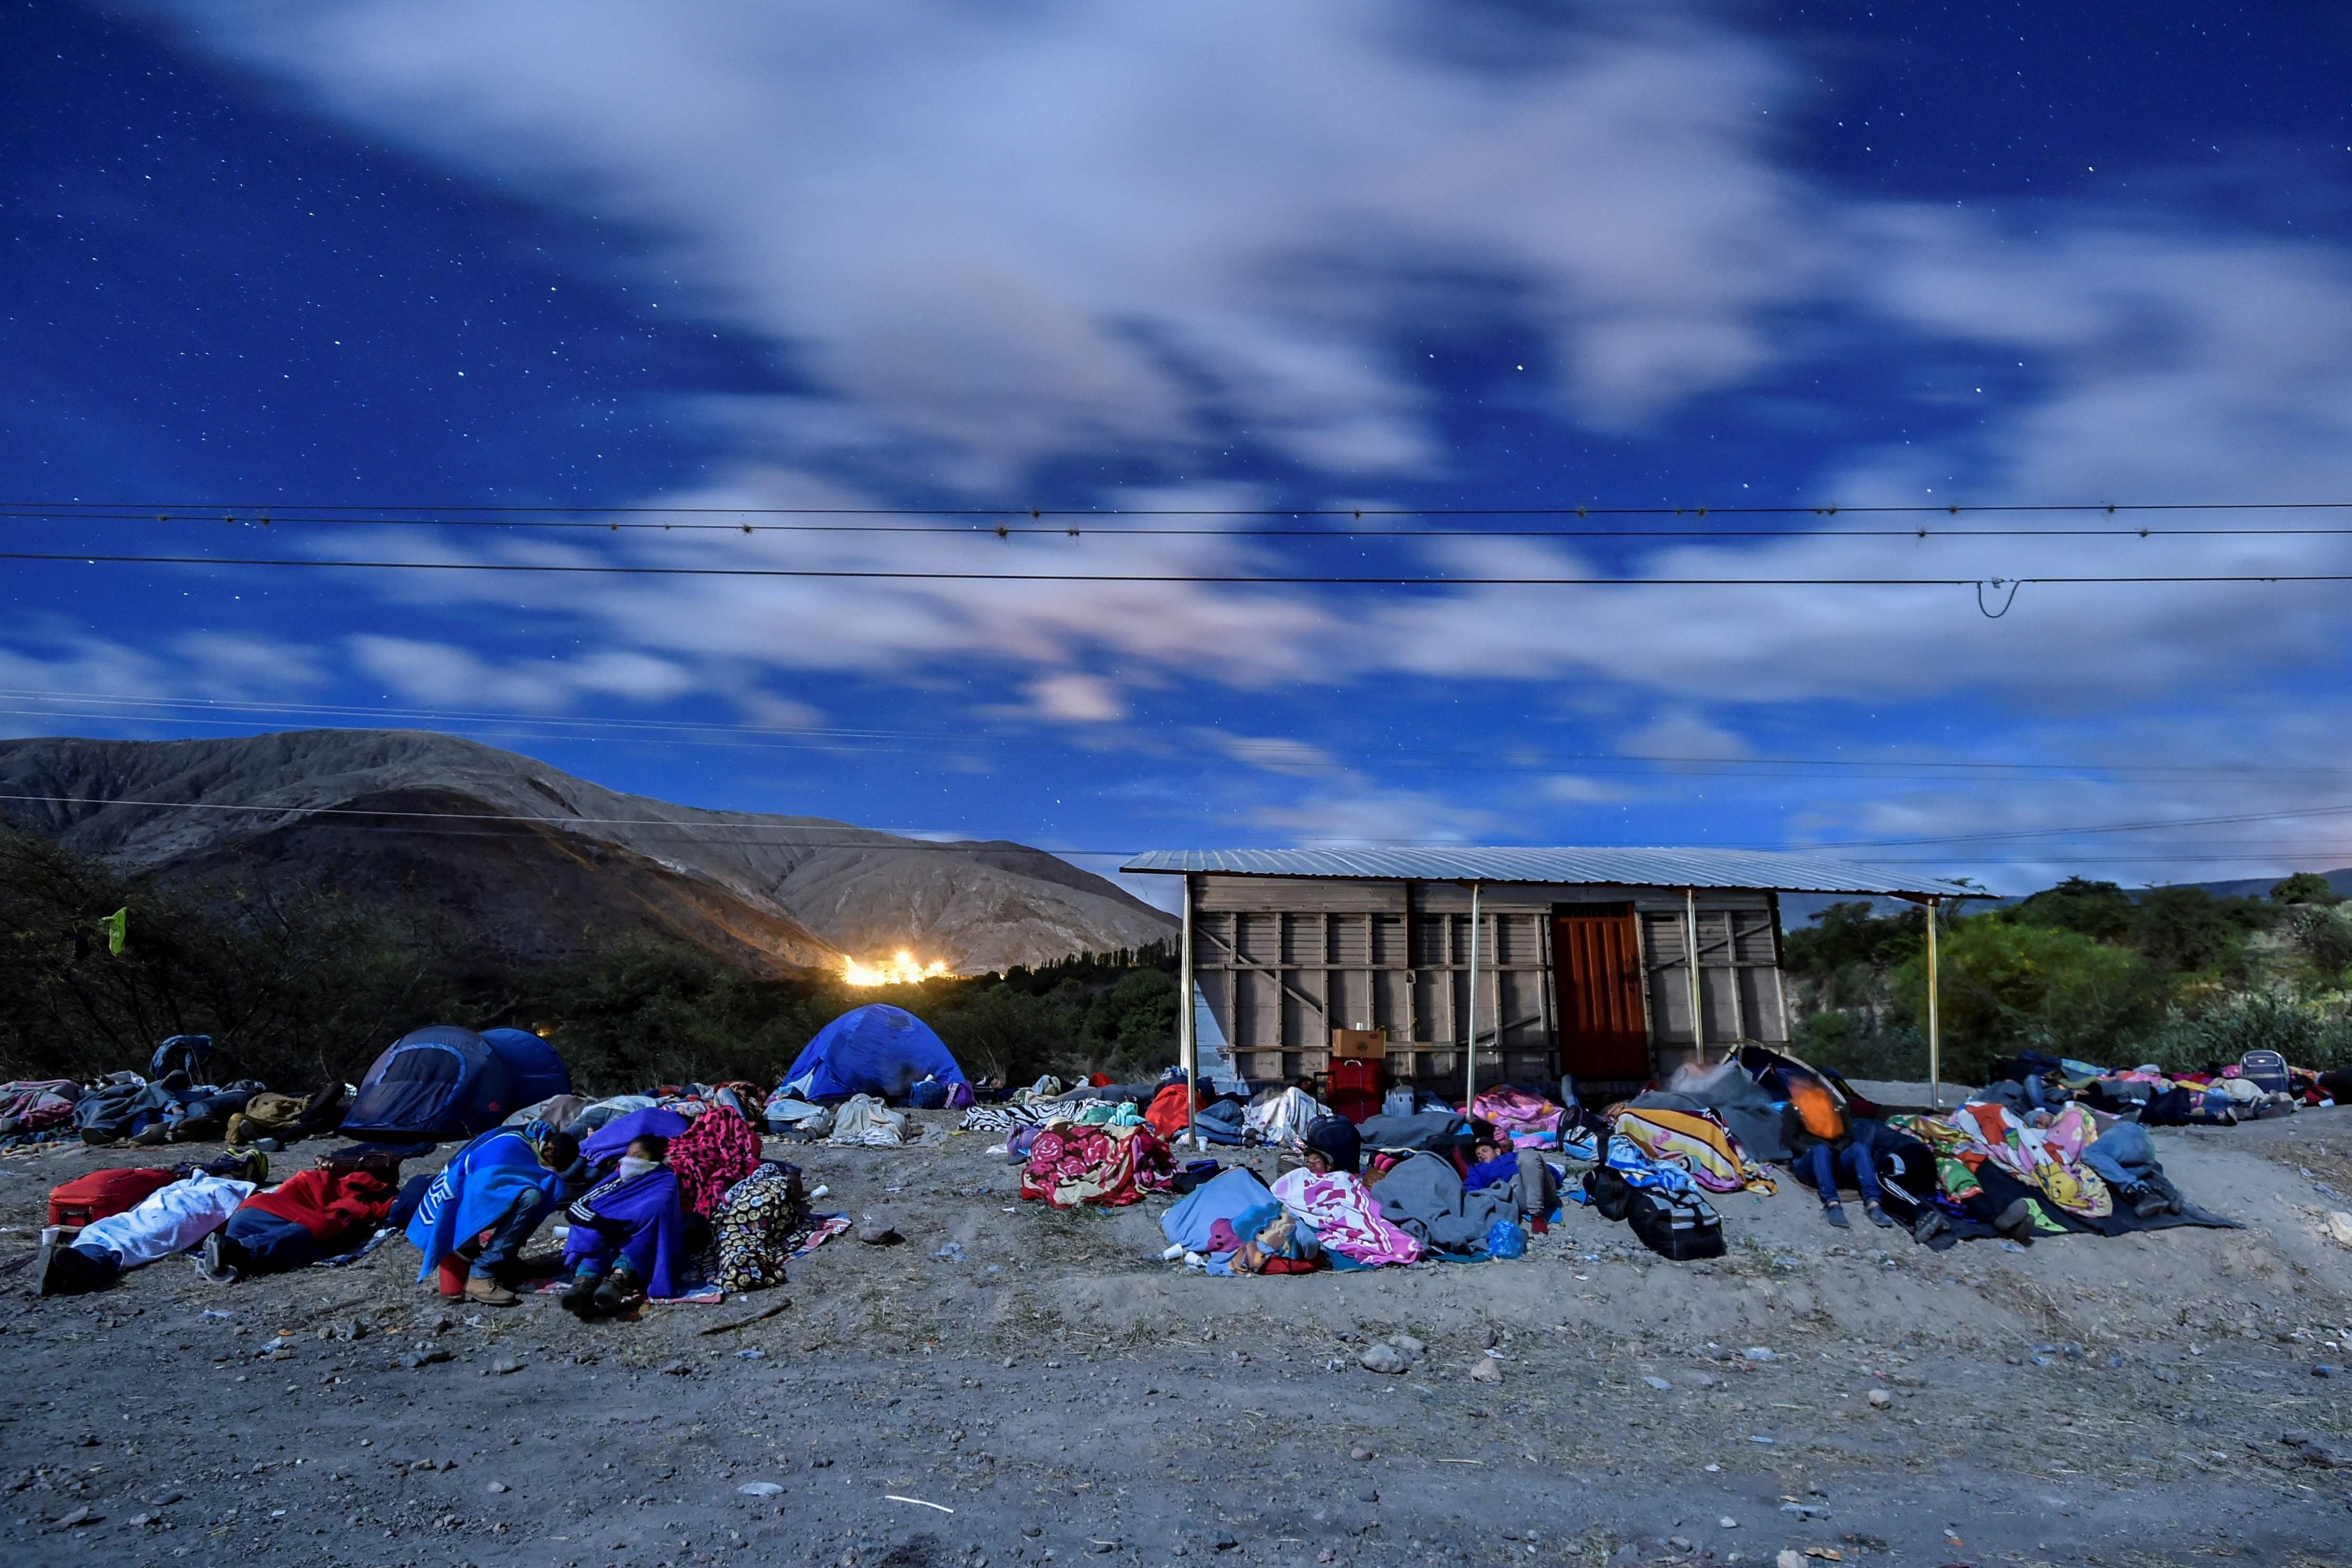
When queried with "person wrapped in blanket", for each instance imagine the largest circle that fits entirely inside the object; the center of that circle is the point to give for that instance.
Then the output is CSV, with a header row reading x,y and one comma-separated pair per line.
x,y
311,1215
628,1234
486,1201
1996,1168
1521,1175
1326,1196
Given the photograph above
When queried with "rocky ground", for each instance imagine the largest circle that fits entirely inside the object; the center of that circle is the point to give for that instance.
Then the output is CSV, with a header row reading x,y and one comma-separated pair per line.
x,y
1047,1390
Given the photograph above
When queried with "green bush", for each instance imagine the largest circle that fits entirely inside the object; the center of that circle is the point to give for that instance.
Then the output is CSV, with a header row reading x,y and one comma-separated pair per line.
x,y
295,986
1855,1045
2314,1032
2007,985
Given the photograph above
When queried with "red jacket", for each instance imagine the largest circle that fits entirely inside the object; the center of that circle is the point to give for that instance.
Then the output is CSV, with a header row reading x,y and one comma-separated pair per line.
x,y
327,1204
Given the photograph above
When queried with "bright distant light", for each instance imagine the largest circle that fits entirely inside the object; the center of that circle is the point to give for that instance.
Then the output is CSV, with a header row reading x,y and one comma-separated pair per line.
x,y
898,969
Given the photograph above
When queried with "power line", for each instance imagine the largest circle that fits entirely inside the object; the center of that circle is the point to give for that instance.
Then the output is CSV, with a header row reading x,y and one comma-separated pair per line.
x,y
255,510
1231,578
980,530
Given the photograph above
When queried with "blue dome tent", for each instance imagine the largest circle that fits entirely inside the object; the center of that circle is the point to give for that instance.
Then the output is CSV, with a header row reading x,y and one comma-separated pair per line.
x,y
534,1069
873,1050
444,1082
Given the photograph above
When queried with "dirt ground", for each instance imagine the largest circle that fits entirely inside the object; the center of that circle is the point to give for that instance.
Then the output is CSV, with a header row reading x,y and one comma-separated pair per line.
x,y
1049,1390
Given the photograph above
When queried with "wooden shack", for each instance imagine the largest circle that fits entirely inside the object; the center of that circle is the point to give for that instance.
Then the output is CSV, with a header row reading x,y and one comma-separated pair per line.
x,y
1616,966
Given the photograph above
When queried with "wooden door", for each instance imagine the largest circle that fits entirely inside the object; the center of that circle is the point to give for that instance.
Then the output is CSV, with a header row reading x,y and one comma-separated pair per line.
x,y
1597,965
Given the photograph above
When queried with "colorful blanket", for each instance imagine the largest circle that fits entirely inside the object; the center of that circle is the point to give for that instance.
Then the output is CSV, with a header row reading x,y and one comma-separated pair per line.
x,y
1072,1164
1346,1218
720,1150
757,1222
2049,1159
1527,1120
1697,1142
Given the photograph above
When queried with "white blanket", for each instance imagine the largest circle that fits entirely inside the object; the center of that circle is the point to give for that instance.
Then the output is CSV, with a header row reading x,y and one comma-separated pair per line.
x,y
172,1219
863,1119
1282,1116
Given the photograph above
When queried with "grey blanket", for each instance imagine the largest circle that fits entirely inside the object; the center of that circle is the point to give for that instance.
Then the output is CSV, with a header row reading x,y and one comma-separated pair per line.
x,y
1428,1130
1424,1196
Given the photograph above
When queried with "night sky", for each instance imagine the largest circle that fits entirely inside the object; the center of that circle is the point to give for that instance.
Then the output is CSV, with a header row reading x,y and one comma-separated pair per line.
x,y
416,279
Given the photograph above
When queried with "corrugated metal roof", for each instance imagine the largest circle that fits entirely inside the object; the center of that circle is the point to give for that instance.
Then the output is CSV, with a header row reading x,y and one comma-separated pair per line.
x,y
1781,871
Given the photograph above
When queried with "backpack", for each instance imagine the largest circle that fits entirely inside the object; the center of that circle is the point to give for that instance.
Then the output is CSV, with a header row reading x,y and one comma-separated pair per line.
x,y
2267,1070
87,1200
1679,1228
1816,1109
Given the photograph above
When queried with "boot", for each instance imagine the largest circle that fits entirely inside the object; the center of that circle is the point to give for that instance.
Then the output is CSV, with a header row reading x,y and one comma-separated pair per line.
x,y
612,1296
2016,1222
488,1292
1929,1226
578,1298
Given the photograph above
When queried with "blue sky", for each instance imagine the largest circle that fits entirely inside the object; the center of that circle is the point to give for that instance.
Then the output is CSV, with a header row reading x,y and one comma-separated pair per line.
x,y
409,256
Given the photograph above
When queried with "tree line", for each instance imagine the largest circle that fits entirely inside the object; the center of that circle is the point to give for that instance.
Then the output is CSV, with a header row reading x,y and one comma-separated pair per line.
x,y
2176,977
299,986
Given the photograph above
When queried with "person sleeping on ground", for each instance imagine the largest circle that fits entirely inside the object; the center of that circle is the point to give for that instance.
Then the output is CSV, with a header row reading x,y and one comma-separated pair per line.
x,y
1328,1195
503,1183
1519,1175
628,1234
311,1215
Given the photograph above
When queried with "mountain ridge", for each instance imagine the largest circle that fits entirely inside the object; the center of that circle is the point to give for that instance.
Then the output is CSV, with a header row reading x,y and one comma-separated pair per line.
x,y
369,811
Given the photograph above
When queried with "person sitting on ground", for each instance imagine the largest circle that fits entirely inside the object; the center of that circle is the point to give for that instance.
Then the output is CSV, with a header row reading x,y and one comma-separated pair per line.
x,y
311,1215
627,1232
1824,1149
1527,1182
504,1182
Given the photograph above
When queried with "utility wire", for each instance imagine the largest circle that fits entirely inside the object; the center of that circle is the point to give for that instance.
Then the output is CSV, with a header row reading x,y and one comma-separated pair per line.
x,y
1232,579
250,511
280,518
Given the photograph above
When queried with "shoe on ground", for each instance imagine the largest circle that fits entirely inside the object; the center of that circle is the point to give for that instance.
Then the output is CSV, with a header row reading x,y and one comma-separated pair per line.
x,y
488,1292
579,1299
612,1296
1929,1226
46,1266
2016,1222
2151,1204
1877,1215
221,1263
1835,1214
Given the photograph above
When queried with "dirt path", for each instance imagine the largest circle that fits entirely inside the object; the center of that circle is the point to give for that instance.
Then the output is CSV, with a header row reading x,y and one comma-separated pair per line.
x,y
2151,1399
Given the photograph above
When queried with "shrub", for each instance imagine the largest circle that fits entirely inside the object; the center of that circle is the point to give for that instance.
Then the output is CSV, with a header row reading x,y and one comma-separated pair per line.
x,y
295,986
2007,985
2314,1032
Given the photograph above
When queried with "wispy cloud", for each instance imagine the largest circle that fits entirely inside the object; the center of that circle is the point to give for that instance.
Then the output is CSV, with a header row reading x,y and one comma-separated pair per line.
x,y
992,244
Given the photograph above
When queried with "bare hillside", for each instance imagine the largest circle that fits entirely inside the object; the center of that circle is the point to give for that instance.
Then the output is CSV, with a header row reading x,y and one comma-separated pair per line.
x,y
539,858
